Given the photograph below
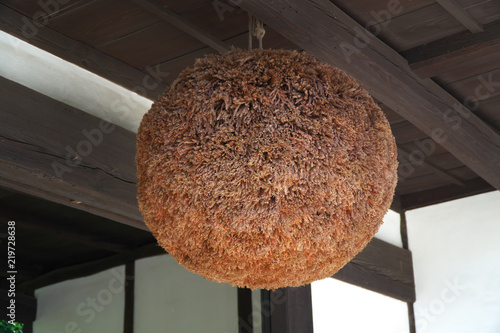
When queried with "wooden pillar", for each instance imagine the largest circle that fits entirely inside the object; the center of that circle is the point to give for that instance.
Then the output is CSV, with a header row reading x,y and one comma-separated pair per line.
x,y
291,310
245,317
128,321
404,239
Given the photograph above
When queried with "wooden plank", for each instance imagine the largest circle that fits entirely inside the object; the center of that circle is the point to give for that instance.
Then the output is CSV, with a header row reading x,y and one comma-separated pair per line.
x,y
62,154
128,319
89,268
477,88
434,168
147,82
485,11
181,23
383,268
461,15
155,44
245,318
484,53
45,11
453,52
444,193
420,181
403,32
103,21
490,111
381,11
323,30
292,310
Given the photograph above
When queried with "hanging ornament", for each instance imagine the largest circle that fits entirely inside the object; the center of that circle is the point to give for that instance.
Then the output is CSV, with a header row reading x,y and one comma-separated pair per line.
x,y
264,169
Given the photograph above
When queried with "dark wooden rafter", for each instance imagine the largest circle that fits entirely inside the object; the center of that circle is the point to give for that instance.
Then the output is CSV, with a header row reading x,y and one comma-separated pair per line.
x,y
450,53
89,268
179,22
461,14
449,192
434,168
63,10
148,82
322,29
57,230
383,268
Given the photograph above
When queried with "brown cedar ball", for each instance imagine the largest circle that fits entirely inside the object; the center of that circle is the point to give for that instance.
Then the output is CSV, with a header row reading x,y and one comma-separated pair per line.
x,y
264,169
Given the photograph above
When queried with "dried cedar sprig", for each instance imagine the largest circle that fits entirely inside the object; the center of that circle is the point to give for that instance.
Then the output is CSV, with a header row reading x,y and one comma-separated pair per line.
x,y
264,169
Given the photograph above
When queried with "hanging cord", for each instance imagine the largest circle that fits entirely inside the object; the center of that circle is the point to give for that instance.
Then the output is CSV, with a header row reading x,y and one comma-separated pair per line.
x,y
255,28
250,31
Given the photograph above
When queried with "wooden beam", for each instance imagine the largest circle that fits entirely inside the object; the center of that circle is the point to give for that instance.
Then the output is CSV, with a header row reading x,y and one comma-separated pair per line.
x,y
89,268
58,230
383,268
292,310
56,152
445,193
179,22
396,204
148,82
450,53
462,15
322,29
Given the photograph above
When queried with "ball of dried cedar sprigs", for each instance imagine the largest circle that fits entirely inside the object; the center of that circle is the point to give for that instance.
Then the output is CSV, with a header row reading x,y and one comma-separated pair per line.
x,y
264,169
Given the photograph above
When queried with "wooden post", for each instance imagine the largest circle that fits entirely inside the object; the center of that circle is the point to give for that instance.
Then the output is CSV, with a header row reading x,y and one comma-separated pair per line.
x,y
404,239
128,321
245,318
292,310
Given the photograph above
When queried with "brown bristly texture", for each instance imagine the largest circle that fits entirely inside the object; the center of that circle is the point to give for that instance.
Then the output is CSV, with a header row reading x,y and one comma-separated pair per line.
x,y
264,169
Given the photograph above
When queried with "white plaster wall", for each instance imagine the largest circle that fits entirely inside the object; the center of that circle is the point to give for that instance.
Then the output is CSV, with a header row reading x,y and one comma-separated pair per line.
x,y
341,307
345,308
456,259
390,229
93,304
171,299
70,84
